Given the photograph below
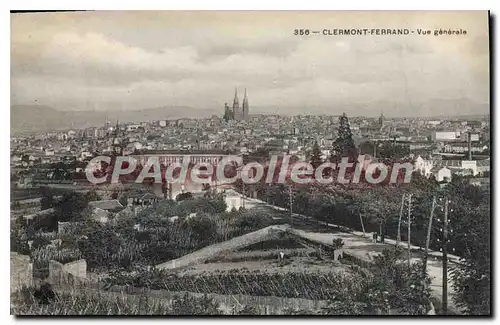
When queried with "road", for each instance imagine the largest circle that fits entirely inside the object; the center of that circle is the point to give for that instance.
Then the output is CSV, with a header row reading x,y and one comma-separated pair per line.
x,y
361,246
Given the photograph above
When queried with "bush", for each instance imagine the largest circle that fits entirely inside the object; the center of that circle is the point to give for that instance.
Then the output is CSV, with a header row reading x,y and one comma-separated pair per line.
x,y
184,196
337,243
251,221
72,207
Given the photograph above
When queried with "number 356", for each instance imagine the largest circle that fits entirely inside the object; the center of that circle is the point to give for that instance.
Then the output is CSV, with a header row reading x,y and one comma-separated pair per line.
x,y
301,32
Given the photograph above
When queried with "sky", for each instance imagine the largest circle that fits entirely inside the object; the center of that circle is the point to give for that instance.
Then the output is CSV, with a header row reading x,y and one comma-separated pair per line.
x,y
135,60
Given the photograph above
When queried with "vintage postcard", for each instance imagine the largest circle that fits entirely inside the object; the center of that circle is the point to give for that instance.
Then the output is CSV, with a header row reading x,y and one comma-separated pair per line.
x,y
250,163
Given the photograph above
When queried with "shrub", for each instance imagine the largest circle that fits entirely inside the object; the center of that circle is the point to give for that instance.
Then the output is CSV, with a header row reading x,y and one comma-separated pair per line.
x,y
337,243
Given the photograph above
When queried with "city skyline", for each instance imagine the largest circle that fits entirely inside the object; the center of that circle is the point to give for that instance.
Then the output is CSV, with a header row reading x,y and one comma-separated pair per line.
x,y
138,60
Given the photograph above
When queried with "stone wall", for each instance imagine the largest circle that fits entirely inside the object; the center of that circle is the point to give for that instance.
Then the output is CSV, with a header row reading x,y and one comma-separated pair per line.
x,y
72,273
77,268
228,304
21,271
265,305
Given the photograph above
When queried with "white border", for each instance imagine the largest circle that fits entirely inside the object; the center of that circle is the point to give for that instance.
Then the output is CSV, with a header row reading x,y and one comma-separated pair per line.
x,y
196,5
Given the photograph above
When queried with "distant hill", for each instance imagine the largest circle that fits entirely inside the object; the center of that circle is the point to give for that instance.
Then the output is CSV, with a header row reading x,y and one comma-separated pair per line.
x,y
436,107
36,118
32,118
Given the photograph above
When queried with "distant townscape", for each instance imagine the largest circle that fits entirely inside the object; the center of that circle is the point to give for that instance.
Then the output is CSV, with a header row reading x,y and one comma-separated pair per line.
x,y
250,163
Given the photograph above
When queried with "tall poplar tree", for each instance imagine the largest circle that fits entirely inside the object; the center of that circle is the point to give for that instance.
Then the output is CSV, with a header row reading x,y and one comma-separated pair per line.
x,y
315,158
343,146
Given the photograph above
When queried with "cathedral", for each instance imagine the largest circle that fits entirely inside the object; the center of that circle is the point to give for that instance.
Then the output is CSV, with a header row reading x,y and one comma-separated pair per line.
x,y
237,113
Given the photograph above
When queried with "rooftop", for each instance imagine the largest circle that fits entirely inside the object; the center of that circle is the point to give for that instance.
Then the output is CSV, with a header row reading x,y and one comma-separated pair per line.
x,y
106,204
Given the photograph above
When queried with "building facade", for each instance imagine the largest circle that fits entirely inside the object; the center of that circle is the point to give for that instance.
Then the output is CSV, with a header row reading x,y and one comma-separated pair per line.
x,y
239,113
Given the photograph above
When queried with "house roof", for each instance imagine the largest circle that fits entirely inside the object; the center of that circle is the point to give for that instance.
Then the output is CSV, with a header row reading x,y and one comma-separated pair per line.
x,y
483,163
99,213
447,163
436,169
40,214
106,204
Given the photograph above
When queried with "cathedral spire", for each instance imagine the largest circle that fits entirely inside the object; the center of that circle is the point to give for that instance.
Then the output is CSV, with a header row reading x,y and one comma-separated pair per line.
x,y
235,101
236,106
245,106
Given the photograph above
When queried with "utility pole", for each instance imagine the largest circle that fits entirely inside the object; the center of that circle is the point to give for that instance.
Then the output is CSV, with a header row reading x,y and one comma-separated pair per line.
x,y
427,243
243,194
291,204
409,229
445,258
398,238
362,224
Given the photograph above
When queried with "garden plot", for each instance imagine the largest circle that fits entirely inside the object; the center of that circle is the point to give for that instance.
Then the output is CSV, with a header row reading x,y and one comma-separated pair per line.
x,y
293,264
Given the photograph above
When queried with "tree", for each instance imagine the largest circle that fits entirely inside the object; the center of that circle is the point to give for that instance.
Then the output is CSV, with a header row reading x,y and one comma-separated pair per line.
x,y
377,204
472,275
203,229
71,207
344,144
47,200
99,244
407,289
390,150
315,158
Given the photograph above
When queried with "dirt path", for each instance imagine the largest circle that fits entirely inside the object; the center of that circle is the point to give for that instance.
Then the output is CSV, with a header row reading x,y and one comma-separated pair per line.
x,y
210,251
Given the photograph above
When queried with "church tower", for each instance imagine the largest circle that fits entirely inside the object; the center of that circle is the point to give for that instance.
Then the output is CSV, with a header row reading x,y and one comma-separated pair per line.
x,y
381,120
117,144
236,106
245,106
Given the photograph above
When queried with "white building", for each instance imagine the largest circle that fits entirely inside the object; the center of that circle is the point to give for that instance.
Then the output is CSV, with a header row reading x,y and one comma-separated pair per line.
x,y
446,136
443,174
470,165
233,199
423,166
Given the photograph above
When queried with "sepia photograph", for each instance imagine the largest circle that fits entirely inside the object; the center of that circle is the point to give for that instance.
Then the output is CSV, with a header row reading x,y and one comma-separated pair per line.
x,y
250,163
